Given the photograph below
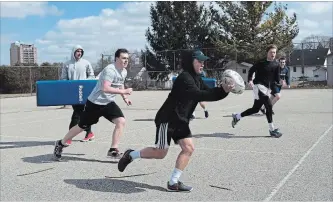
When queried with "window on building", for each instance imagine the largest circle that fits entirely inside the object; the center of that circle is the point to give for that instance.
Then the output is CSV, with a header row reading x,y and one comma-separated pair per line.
x,y
294,69
244,71
302,70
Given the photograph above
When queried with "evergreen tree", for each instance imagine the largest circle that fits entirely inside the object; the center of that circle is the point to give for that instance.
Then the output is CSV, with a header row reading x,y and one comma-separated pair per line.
x,y
246,28
175,26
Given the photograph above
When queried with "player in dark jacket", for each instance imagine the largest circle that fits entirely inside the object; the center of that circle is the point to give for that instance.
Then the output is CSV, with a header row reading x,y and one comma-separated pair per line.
x,y
284,78
172,119
267,76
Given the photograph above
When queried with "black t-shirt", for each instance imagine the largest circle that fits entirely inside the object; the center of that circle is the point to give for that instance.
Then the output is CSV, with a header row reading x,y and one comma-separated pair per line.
x,y
266,72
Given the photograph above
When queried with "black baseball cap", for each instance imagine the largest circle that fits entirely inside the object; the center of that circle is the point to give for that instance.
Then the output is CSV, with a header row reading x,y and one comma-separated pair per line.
x,y
199,56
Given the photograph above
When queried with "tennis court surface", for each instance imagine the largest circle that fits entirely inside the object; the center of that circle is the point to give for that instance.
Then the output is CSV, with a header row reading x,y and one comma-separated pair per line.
x,y
229,164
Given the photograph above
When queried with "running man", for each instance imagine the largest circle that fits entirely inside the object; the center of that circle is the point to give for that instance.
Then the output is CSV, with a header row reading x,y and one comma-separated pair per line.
x,y
101,103
267,73
285,79
172,119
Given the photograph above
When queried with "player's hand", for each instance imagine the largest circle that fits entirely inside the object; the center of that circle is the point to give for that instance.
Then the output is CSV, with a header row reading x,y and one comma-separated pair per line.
x,y
251,84
127,91
227,87
128,102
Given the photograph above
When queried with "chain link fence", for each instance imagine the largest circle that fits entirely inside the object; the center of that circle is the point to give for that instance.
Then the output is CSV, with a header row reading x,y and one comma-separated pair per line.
x,y
310,64
22,79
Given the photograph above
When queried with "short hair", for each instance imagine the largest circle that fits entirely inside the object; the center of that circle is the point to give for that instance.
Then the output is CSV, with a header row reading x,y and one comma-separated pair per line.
x,y
282,58
120,51
271,46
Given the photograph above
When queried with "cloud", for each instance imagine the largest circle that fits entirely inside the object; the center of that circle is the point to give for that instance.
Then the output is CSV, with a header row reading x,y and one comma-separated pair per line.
x,y
314,18
24,9
124,27
319,7
310,24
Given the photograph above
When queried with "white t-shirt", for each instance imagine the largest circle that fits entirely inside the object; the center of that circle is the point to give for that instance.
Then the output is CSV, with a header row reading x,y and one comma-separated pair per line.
x,y
115,76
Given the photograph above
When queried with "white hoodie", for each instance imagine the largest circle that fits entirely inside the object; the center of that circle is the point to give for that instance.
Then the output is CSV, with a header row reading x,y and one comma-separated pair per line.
x,y
77,69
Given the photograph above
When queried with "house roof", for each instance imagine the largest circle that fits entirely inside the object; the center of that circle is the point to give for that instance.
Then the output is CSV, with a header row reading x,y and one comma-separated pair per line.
x,y
320,68
312,57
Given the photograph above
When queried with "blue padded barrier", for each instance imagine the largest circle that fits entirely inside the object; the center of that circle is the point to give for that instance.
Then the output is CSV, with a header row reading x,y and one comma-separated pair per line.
x,y
63,92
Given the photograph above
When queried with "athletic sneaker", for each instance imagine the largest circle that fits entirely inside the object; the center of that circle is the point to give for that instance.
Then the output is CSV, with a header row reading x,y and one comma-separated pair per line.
x,y
234,120
192,117
275,133
69,142
114,153
125,160
206,114
179,187
88,137
58,149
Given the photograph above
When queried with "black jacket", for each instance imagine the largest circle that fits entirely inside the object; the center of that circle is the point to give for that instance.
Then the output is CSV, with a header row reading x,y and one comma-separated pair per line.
x,y
188,89
266,72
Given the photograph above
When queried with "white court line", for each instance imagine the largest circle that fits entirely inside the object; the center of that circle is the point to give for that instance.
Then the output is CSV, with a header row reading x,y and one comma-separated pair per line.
x,y
284,180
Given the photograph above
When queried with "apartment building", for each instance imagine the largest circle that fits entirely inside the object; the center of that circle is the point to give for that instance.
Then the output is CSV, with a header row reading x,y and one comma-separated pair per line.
x,y
22,53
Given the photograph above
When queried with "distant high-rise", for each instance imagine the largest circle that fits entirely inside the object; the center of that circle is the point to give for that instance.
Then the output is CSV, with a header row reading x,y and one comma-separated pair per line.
x,y
22,53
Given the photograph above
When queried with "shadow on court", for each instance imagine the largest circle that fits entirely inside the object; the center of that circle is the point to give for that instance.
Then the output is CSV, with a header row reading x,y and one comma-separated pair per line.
x,y
48,158
253,115
21,144
112,185
226,135
143,119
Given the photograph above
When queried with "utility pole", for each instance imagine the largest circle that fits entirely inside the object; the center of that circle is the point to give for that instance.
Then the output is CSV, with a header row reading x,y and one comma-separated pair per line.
x,y
102,60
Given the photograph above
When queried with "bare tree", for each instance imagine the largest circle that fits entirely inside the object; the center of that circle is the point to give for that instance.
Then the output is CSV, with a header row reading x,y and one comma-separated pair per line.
x,y
314,42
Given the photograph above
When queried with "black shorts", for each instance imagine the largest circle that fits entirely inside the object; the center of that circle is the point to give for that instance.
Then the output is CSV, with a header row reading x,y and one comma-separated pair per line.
x,y
92,112
166,131
275,90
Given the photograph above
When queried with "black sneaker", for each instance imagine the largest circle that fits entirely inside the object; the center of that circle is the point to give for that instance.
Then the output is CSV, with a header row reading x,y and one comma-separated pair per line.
x,y
275,133
192,117
125,160
206,114
179,187
58,150
114,153
234,120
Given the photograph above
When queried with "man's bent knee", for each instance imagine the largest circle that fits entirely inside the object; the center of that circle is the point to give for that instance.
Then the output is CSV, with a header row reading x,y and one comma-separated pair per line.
x,y
120,122
277,96
187,146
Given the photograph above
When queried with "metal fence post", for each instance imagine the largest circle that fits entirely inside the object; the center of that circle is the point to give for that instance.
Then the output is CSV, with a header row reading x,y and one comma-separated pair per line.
x,y
30,72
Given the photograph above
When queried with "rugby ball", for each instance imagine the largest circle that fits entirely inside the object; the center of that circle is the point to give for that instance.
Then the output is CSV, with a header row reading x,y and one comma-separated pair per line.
x,y
233,76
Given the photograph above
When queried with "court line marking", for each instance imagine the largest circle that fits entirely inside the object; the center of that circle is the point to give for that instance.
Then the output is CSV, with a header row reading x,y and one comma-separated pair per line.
x,y
172,146
299,163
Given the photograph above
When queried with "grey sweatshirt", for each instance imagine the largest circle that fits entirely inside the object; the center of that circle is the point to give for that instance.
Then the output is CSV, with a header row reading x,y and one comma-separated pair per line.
x,y
77,69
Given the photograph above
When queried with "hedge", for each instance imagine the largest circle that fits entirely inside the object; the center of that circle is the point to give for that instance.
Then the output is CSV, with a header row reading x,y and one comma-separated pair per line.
x,y
18,79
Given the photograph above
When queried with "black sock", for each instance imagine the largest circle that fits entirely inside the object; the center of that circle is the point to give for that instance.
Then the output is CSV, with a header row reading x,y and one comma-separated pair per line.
x,y
113,149
60,143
